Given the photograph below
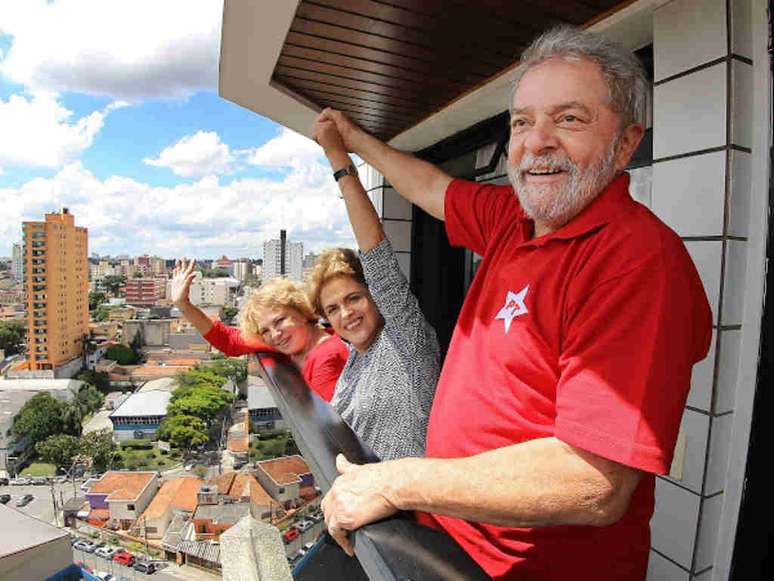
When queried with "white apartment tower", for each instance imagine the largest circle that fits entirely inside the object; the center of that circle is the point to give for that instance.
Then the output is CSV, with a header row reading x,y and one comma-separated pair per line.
x,y
273,259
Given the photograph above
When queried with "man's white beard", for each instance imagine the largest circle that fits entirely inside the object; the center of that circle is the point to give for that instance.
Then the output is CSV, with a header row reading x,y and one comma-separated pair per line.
x,y
555,206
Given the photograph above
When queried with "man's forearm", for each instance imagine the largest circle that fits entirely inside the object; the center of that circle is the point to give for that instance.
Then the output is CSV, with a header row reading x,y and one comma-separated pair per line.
x,y
542,482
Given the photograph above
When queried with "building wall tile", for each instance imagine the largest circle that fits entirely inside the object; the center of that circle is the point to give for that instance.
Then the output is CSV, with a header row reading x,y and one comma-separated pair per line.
x,y
717,464
689,193
661,569
701,21
689,113
706,256
673,525
742,104
399,234
396,207
695,426
740,191
708,532
702,376
741,29
641,185
728,370
734,282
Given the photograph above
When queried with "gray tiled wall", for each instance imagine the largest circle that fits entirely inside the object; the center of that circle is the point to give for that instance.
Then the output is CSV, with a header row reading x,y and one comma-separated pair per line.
x,y
702,136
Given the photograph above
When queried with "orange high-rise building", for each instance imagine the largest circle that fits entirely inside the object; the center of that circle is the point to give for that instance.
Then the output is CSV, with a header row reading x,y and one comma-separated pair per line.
x,y
56,290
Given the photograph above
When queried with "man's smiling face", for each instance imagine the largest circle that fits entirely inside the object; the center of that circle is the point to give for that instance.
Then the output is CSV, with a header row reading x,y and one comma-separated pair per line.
x,y
566,141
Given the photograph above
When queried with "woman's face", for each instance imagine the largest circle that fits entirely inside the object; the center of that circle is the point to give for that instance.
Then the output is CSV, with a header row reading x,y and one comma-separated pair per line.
x,y
285,329
351,311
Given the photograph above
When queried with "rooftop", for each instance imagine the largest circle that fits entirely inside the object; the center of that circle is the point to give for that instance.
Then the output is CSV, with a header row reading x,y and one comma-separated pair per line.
x,y
39,384
286,470
222,513
122,485
144,403
162,384
179,493
242,485
21,532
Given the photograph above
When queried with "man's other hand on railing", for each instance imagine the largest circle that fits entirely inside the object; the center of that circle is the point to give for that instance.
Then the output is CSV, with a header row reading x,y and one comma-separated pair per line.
x,y
360,495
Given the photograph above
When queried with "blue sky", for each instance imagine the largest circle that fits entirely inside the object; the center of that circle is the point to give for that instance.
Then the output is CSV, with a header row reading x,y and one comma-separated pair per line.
x,y
112,111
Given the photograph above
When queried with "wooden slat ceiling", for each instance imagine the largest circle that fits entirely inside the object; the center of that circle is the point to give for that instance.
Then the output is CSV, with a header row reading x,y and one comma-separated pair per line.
x,y
391,63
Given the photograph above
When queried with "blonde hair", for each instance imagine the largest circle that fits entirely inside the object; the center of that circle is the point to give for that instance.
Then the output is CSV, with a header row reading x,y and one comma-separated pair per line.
x,y
332,263
277,293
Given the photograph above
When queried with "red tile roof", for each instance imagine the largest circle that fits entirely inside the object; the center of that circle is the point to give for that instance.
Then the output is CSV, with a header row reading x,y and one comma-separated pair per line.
x,y
178,493
286,470
122,485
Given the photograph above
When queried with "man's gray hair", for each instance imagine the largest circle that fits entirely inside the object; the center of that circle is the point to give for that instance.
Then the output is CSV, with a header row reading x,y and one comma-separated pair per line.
x,y
623,72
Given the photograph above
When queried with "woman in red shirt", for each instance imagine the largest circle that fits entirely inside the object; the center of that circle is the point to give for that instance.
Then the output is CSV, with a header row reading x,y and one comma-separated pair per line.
x,y
279,315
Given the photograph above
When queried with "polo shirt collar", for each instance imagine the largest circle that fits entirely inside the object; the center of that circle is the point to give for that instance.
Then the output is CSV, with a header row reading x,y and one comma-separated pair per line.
x,y
613,200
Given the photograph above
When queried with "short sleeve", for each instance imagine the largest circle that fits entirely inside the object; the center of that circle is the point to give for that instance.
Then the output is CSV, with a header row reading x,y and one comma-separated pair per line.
x,y
629,344
473,211
324,365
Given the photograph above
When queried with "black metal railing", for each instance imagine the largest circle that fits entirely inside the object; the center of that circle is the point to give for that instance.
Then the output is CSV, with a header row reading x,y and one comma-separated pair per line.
x,y
395,549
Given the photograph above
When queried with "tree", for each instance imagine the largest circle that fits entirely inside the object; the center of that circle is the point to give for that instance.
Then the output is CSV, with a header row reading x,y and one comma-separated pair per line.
x,y
228,313
96,299
101,314
183,431
121,353
113,283
89,399
39,418
99,446
136,345
199,376
98,379
202,401
59,449
231,367
12,335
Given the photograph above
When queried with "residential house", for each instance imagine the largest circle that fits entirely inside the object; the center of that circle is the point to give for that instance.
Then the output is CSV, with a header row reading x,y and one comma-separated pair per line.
x,y
179,494
120,497
288,480
264,414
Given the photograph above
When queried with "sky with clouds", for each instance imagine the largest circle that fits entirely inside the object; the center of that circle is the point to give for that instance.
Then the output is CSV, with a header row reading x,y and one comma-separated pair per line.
x,y
110,109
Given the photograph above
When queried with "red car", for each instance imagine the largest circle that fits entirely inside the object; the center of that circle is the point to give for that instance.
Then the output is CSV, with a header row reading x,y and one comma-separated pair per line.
x,y
290,534
124,558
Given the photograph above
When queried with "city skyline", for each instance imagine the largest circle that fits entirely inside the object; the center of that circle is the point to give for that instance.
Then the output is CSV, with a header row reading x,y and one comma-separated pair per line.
x,y
137,143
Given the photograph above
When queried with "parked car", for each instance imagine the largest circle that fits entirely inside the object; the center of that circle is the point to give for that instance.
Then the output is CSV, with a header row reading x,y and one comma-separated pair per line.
x,y
85,546
38,481
304,525
104,576
290,534
124,558
144,567
5,498
317,516
3,482
24,500
23,481
106,552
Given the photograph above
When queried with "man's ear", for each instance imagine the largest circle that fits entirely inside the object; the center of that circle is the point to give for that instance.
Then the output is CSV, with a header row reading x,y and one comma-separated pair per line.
x,y
627,145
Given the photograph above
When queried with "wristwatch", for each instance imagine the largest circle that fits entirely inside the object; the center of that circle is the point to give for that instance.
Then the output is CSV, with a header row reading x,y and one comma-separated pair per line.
x,y
350,170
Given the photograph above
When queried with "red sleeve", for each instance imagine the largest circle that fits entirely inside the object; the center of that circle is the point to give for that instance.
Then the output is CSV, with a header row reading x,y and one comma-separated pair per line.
x,y
629,344
229,340
473,211
323,366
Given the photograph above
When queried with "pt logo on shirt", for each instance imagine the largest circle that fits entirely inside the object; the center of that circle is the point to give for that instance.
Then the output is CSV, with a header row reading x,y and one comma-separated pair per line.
x,y
514,307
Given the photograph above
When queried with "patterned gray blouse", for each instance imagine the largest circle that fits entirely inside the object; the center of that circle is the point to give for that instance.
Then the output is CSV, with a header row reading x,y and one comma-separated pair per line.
x,y
385,393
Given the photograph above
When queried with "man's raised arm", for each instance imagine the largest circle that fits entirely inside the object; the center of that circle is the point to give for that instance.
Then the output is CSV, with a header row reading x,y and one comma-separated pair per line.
x,y
418,181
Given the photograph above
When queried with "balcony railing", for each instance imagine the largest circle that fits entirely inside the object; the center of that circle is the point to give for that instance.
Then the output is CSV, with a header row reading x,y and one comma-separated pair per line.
x,y
395,549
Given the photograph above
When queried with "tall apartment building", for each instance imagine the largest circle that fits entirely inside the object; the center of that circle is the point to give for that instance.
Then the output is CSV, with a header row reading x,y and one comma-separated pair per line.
x,y
56,289
242,268
17,263
293,259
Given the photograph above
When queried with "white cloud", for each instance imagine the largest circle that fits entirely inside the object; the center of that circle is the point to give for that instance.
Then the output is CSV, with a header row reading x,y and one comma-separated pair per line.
x,y
196,155
205,218
39,131
288,149
126,49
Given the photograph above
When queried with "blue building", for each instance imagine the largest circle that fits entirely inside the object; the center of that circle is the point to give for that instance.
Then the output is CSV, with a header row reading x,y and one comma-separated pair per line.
x,y
140,415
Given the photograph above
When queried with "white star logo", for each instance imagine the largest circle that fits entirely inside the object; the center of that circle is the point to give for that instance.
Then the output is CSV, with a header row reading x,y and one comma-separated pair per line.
x,y
514,307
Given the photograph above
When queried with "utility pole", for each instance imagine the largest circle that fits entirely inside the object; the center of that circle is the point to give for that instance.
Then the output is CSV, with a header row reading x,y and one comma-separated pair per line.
x,y
53,503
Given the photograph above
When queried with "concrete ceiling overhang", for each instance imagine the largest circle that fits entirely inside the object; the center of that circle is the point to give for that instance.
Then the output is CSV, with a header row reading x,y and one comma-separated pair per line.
x,y
411,72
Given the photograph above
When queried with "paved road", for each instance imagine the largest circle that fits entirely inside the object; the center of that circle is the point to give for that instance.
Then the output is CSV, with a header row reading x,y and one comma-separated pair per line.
x,y
42,506
170,573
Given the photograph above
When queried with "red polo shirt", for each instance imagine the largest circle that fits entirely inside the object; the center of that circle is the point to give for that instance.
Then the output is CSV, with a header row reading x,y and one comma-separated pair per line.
x,y
587,334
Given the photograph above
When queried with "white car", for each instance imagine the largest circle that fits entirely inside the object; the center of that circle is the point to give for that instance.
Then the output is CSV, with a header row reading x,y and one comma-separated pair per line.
x,y
304,525
305,549
104,575
20,481
106,552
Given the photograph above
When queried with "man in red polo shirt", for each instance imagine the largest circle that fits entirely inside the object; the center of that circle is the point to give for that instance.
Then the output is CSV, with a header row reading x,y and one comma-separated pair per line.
x,y
566,378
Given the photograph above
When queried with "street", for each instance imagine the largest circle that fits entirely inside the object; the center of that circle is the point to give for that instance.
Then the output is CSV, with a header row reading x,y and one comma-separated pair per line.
x,y
42,506
170,572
